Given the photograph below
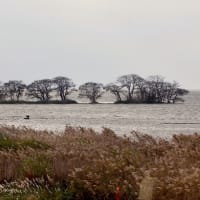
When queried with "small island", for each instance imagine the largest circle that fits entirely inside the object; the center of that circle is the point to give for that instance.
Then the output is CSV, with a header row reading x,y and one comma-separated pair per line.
x,y
127,89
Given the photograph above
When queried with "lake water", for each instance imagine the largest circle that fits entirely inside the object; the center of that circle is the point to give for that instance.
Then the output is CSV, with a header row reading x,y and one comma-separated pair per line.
x,y
159,120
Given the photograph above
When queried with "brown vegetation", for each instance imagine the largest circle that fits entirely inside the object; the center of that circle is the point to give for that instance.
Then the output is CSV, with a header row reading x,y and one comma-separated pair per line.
x,y
83,164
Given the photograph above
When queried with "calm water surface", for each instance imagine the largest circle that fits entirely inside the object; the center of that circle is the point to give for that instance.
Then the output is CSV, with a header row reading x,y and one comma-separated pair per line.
x,y
159,120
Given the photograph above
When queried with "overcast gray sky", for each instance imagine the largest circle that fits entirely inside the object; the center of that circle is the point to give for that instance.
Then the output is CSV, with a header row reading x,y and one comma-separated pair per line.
x,y
99,40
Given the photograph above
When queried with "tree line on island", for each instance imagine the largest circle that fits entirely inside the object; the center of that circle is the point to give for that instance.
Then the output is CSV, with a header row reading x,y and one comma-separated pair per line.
x,y
130,88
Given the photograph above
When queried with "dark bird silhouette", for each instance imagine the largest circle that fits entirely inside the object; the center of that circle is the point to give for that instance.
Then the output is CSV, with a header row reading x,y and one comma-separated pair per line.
x,y
27,117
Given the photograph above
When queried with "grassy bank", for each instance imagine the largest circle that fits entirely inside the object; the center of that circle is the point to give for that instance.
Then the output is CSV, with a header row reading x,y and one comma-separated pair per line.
x,y
83,164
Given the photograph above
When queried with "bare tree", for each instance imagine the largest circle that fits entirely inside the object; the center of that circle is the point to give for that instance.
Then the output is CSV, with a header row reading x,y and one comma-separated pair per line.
x,y
156,89
13,90
170,91
130,83
152,90
114,89
41,90
174,92
64,87
2,92
142,91
160,91
91,90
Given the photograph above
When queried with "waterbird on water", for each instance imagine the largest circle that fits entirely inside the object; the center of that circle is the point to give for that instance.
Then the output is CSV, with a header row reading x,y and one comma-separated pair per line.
x,y
27,117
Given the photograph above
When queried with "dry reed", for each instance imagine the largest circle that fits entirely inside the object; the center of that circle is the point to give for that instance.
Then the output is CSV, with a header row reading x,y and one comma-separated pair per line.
x,y
83,164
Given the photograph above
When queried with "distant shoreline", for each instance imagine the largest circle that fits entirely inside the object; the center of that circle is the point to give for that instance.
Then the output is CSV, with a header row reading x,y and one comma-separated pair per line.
x,y
39,102
75,102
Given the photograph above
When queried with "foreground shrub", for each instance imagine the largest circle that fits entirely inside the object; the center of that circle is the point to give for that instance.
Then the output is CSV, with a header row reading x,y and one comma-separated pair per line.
x,y
83,164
